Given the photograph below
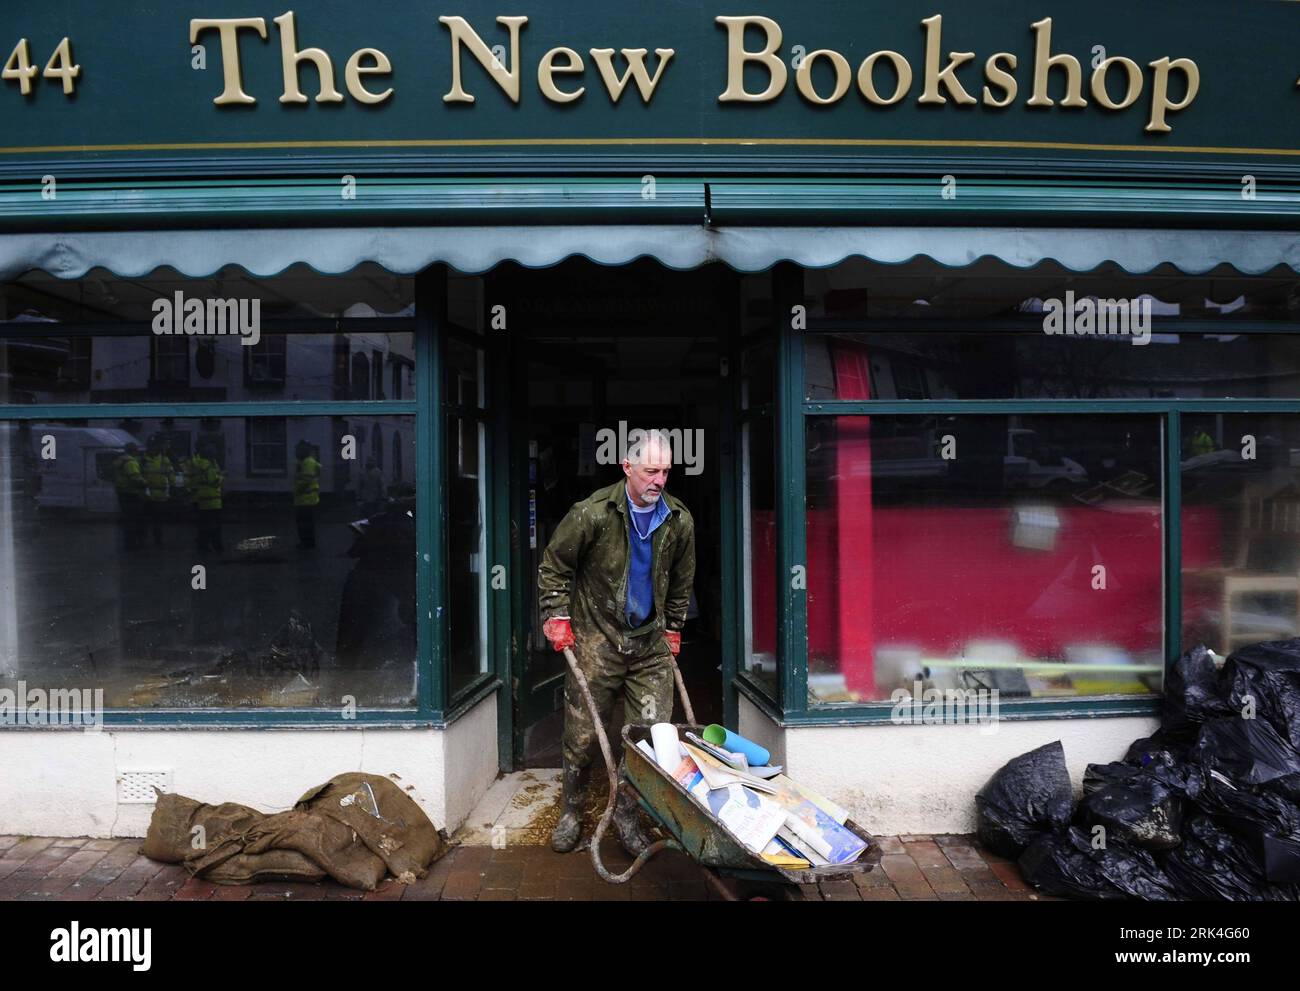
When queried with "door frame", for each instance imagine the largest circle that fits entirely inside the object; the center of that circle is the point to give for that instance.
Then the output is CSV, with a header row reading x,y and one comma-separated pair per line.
x,y
508,392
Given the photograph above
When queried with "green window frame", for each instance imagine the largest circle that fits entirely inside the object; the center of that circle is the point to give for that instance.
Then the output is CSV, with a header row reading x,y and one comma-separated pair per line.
x,y
792,411
429,325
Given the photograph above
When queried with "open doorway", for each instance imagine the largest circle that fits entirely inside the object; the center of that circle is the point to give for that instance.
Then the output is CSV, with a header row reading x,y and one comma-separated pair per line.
x,y
640,347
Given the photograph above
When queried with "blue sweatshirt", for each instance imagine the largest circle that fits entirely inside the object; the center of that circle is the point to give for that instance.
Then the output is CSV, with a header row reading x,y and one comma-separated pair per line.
x,y
640,588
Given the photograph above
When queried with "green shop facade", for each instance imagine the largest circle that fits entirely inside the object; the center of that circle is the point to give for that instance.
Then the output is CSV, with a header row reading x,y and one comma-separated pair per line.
x,y
977,325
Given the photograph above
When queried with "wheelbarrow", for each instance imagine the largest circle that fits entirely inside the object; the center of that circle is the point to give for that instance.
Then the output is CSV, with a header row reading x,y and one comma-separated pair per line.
x,y
728,864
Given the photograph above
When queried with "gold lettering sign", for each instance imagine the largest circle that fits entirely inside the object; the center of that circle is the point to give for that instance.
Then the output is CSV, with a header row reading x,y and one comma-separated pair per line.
x,y
823,77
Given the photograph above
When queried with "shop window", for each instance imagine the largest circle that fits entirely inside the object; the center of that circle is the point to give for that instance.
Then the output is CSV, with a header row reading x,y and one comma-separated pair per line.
x,y
467,553
298,607
758,545
1240,528
138,366
1031,365
1017,553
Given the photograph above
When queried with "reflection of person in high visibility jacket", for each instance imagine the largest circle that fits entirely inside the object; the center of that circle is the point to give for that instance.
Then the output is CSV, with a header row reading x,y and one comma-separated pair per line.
x,y
1202,443
306,493
204,480
130,485
157,469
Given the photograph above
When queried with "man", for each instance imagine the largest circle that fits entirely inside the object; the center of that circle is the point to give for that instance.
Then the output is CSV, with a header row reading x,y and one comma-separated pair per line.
x,y
130,485
371,494
1202,443
204,480
306,493
614,584
157,469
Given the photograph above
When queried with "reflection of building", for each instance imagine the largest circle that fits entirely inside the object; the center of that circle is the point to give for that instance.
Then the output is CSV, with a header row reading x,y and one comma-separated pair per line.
x,y
301,356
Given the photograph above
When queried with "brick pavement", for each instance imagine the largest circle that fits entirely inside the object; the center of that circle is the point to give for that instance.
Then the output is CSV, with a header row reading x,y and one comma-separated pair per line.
x,y
912,868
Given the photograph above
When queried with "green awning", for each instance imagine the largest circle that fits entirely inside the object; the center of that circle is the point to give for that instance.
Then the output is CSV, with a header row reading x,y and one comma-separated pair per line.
x,y
473,249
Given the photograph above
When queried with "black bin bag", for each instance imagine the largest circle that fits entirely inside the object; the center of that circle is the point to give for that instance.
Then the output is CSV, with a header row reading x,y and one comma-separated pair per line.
x,y
1212,864
1249,752
1069,865
1030,795
1268,676
1164,748
1195,691
1132,804
1264,820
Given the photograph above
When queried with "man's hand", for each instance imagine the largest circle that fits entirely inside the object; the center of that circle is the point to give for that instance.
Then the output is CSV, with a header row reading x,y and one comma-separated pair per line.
x,y
674,638
559,632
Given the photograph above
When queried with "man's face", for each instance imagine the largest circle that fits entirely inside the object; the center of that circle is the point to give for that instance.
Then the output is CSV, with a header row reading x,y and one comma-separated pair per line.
x,y
647,477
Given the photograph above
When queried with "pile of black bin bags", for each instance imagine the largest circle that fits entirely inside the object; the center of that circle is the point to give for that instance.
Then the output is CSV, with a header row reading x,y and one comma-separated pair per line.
x,y
1207,808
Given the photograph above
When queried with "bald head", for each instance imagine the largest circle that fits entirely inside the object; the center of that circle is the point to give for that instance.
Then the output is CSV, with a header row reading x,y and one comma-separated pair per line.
x,y
648,461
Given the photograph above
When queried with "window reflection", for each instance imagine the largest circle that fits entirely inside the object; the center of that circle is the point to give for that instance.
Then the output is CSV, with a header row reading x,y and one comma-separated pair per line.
x,y
1021,553
214,562
758,520
1241,528
95,340
1031,365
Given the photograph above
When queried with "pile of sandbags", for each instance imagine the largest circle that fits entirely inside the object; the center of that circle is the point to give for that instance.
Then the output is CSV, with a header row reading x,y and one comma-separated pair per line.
x,y
356,828
1207,808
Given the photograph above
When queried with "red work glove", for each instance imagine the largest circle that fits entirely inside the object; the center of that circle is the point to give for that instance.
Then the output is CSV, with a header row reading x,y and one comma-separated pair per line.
x,y
674,638
559,632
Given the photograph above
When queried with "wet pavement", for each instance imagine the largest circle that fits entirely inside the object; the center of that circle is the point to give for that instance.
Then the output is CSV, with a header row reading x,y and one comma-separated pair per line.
x,y
501,853
944,868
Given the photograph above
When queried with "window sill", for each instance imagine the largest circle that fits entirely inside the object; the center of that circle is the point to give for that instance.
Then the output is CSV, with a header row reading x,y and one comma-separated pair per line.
x,y
1013,710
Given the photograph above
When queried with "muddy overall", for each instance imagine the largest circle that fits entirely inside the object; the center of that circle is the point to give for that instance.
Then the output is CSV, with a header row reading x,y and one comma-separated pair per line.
x,y
584,577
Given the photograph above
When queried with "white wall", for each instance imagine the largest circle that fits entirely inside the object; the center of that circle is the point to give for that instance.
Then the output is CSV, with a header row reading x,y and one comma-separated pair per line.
x,y
64,782
923,779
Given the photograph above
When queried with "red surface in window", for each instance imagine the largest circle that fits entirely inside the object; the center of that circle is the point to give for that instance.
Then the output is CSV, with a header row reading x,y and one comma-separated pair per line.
x,y
936,578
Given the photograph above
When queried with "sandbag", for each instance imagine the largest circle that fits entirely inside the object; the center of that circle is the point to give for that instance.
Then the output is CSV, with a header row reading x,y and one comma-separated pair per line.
x,y
327,844
1029,796
1132,804
273,865
354,828
387,819
182,828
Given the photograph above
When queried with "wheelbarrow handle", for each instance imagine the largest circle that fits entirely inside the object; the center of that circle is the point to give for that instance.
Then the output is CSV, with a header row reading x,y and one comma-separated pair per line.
x,y
608,753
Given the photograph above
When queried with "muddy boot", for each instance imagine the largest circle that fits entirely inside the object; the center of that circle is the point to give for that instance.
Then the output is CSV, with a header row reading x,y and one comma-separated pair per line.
x,y
627,823
568,830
